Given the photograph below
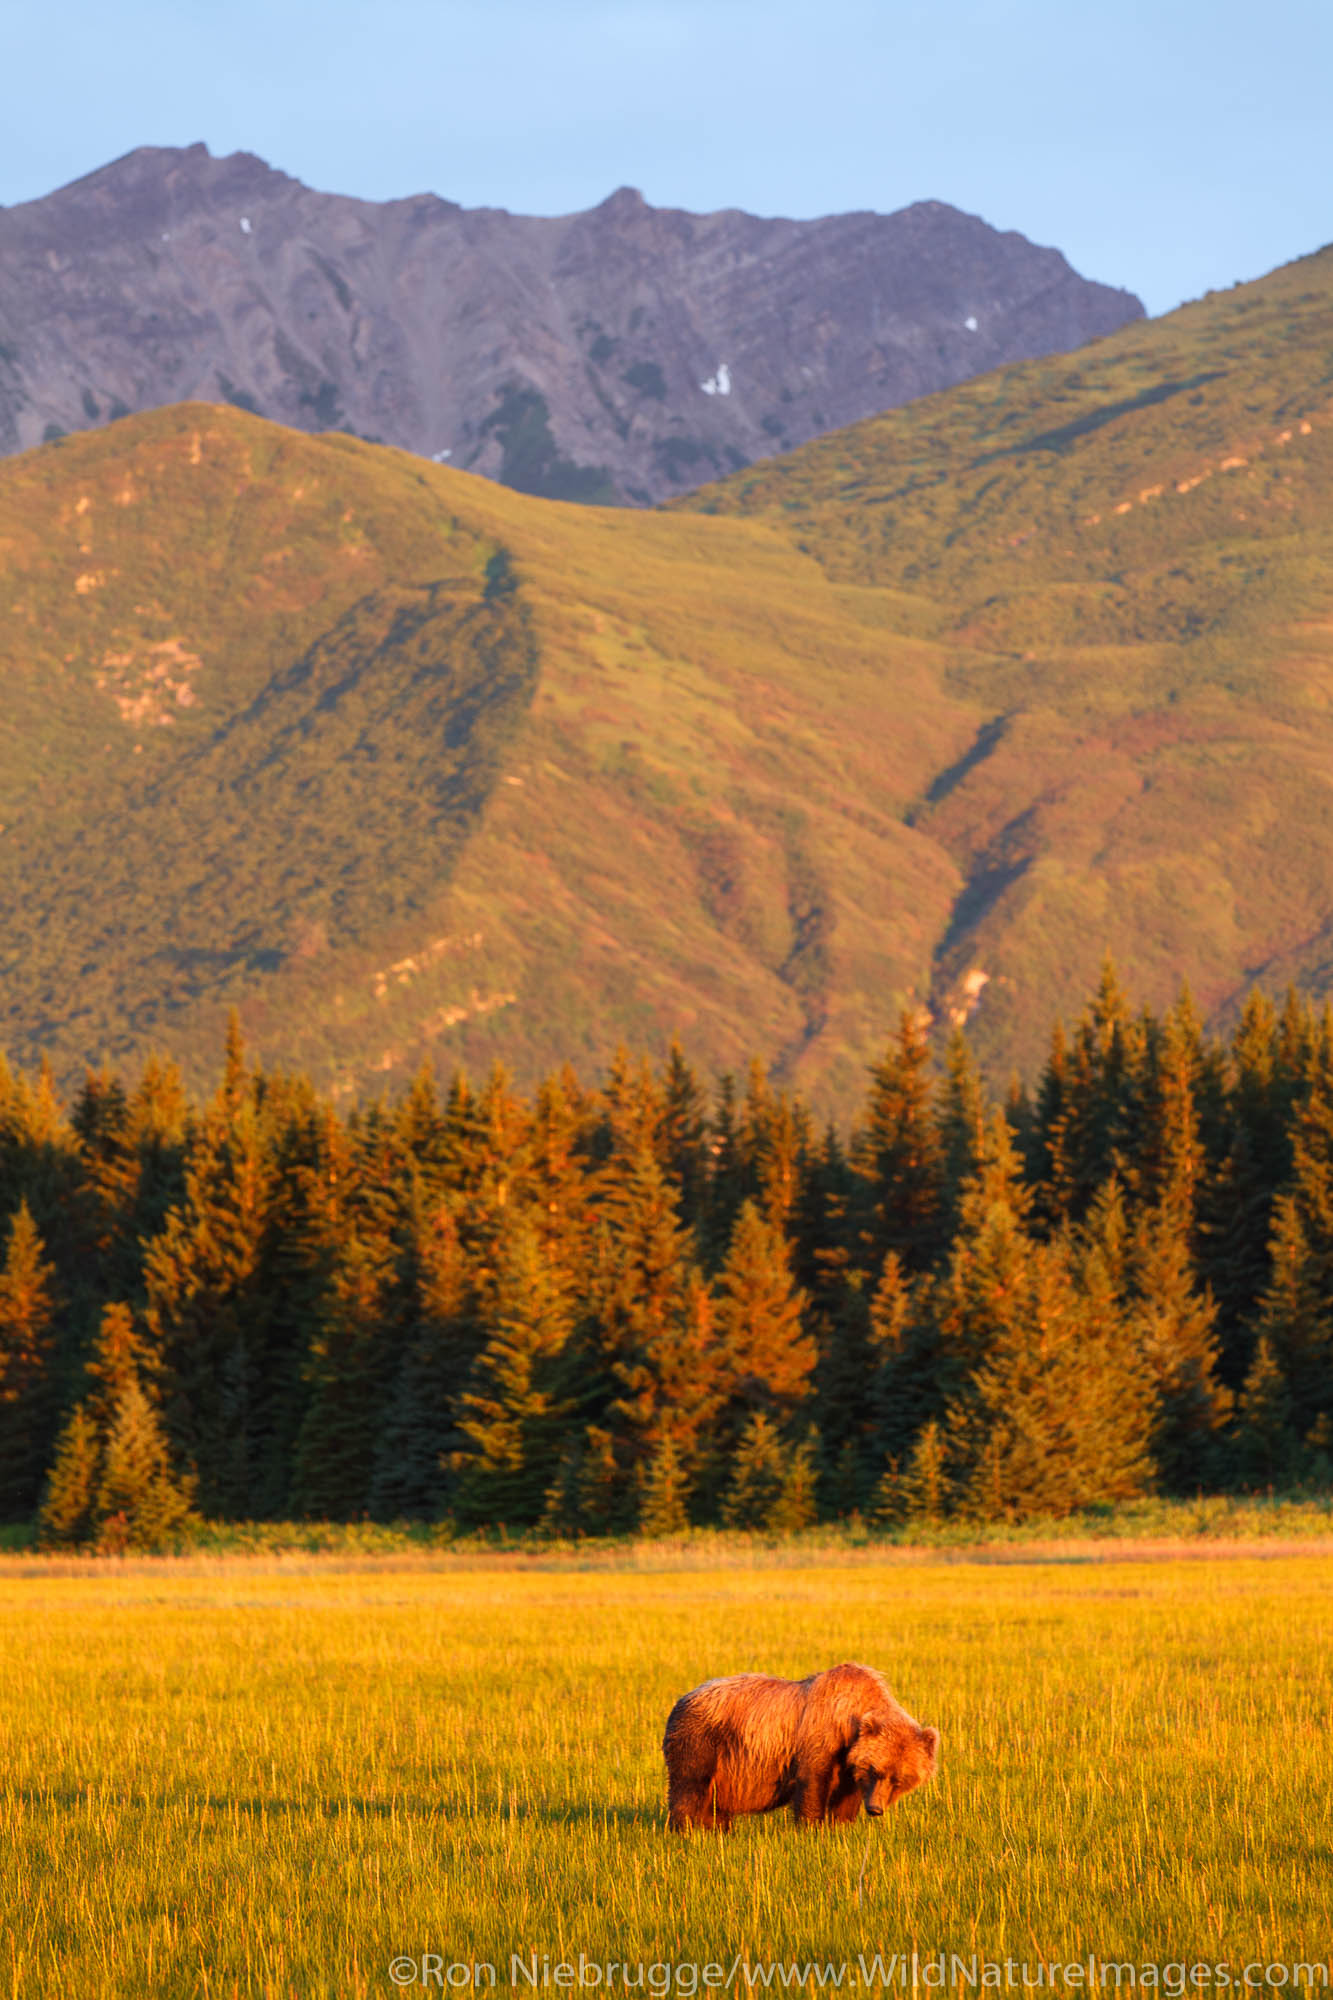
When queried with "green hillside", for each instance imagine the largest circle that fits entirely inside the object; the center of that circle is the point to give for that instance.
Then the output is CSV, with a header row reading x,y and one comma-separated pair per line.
x,y
406,765
1128,554
929,712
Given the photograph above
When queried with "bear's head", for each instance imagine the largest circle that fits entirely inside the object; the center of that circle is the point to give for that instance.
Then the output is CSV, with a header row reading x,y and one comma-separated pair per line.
x,y
888,1758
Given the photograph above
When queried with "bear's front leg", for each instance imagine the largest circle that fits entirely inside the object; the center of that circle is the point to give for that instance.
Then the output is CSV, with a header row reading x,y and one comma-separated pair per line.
x,y
844,1801
810,1804
697,1807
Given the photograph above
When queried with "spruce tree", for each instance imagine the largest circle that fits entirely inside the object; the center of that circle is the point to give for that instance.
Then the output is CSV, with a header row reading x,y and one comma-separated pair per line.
x,y
729,1182
683,1137
665,1494
1174,1324
114,1482
1058,1413
759,1479
631,1112
844,1481
317,1202
1169,1168
209,1300
1266,1447
133,1148
1237,1208
651,1336
797,1504
41,1165
512,1415
767,1355
421,1130
898,1153
1083,1104
66,1516
775,1148
121,1355
347,1366
1296,1311
843,1413
962,1121
441,1343
589,1493
925,1484
140,1502
976,1303
490,1160
1049,1148
826,1258
1109,1050
558,1146
27,1344
902,1386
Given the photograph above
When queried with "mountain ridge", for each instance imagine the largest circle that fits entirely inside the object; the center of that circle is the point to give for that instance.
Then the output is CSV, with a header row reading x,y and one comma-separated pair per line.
x,y
621,353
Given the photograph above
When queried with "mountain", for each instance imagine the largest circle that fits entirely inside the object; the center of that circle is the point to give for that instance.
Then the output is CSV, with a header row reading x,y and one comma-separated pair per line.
x,y
929,713
624,354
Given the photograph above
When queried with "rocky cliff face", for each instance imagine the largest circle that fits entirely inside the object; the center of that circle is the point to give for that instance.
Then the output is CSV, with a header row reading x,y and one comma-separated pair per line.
x,y
624,354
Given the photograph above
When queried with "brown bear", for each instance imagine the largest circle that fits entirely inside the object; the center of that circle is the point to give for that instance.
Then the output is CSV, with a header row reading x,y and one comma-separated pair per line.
x,y
825,1746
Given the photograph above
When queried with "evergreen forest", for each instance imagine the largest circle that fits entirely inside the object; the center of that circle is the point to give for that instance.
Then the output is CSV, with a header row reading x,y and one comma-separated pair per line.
x,y
656,1303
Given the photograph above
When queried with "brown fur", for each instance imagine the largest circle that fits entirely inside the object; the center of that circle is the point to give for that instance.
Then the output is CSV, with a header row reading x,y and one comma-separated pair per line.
x,y
825,1746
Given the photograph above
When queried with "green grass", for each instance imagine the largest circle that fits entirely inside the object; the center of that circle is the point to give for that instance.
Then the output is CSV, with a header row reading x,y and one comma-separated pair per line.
x,y
275,1776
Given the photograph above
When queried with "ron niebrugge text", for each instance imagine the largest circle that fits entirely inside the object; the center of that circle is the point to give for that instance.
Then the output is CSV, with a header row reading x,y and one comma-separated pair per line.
x,y
534,1971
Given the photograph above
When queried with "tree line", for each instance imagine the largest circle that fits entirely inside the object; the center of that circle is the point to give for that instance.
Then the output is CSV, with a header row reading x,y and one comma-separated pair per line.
x,y
650,1304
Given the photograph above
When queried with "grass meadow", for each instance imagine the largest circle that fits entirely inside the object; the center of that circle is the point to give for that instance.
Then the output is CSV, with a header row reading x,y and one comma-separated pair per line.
x,y
278,1775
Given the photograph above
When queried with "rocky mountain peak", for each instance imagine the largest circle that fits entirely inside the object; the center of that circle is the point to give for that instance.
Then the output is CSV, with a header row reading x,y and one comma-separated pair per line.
x,y
626,353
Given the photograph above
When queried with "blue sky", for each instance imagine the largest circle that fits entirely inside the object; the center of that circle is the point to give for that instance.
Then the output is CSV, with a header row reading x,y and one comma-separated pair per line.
x,y
1171,147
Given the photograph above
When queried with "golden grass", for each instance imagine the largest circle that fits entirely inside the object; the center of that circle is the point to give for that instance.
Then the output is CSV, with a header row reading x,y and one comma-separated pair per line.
x,y
275,1776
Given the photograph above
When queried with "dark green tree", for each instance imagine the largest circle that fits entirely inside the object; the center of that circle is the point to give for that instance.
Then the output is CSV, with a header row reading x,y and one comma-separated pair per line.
x,y
347,1365
1267,1450
898,1153
962,1120
771,1482
441,1343
651,1339
209,1304
1296,1311
513,1413
683,1137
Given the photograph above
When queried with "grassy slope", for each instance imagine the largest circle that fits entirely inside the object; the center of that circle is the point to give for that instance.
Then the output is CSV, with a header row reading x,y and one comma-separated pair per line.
x,y
252,1779
1129,554
981,686
697,822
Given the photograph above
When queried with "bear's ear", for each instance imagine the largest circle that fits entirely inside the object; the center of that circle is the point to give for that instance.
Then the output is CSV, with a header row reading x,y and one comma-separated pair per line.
x,y
930,1741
